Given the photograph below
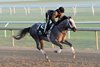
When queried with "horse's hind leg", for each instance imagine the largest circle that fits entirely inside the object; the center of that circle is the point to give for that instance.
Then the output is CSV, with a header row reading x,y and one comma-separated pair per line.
x,y
37,44
43,52
40,47
72,48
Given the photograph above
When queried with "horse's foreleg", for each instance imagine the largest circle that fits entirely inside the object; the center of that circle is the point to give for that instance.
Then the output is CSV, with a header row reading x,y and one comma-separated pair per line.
x,y
72,48
57,43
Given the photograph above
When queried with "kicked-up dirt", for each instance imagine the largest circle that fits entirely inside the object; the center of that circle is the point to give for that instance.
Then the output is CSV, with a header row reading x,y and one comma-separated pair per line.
x,y
28,57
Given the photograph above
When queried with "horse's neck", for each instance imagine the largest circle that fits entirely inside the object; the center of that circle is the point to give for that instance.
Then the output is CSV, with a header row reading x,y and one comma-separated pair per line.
x,y
62,25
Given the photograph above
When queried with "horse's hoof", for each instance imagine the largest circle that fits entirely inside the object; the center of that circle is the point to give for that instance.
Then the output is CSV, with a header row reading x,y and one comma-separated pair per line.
x,y
74,56
55,51
48,60
58,51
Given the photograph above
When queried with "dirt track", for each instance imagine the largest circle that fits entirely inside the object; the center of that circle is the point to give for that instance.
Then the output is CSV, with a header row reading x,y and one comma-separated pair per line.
x,y
28,57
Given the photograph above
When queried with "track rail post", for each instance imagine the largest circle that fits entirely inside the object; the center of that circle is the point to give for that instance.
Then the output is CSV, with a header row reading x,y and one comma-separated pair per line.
x,y
13,41
97,42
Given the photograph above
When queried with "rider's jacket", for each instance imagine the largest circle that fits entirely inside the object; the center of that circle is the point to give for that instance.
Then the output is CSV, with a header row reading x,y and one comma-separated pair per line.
x,y
50,14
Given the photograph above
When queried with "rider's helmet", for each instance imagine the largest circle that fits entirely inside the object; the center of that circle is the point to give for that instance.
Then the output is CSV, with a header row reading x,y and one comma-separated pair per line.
x,y
61,9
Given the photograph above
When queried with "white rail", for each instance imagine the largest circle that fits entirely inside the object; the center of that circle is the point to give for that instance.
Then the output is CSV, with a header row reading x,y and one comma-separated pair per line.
x,y
79,29
32,22
12,8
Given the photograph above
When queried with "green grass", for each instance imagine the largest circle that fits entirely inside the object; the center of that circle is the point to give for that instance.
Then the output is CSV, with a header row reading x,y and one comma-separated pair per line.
x,y
88,25
81,40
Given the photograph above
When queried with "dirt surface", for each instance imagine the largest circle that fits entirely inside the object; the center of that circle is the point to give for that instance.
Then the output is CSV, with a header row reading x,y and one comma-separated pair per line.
x,y
28,57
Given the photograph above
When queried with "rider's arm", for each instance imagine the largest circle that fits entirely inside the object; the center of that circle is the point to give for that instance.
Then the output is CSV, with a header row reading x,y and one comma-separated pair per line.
x,y
54,16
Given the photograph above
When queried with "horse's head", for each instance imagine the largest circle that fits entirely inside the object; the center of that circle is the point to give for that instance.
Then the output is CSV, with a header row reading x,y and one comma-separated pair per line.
x,y
67,23
71,24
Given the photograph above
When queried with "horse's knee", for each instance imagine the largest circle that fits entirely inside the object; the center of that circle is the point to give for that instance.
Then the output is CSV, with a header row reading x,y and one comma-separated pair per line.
x,y
38,47
58,44
61,47
68,43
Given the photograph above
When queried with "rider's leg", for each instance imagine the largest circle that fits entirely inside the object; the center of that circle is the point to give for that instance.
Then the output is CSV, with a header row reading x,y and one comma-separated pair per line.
x,y
47,22
46,16
50,27
47,26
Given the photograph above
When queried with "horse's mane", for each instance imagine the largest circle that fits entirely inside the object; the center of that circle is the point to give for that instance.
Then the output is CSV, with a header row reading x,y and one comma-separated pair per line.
x,y
63,23
63,19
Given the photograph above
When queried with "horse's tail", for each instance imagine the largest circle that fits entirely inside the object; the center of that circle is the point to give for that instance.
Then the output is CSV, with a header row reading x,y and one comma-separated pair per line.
x,y
22,33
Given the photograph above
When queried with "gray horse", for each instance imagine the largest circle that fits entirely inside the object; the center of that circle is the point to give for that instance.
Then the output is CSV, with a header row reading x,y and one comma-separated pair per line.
x,y
56,35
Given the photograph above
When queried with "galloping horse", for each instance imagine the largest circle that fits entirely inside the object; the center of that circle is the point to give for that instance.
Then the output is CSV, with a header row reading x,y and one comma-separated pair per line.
x,y
56,35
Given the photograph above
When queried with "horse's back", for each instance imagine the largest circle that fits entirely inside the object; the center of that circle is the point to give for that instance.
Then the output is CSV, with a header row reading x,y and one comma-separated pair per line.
x,y
36,25
34,28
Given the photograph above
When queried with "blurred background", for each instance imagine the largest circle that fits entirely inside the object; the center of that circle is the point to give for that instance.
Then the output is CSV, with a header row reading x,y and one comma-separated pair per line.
x,y
24,13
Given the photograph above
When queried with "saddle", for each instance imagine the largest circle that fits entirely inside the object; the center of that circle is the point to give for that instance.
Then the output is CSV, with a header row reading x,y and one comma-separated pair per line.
x,y
41,30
